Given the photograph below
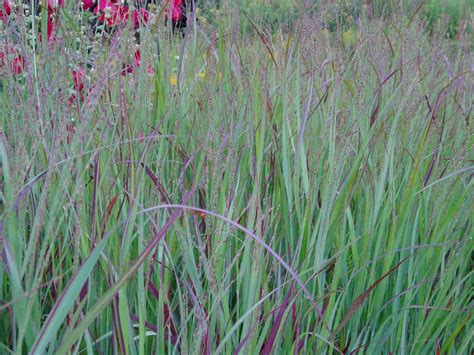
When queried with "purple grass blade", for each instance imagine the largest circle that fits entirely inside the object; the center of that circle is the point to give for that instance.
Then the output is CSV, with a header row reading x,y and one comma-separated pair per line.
x,y
267,348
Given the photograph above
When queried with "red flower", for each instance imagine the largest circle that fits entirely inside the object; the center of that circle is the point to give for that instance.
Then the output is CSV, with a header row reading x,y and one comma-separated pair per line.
x,y
5,10
103,4
12,60
88,4
128,68
52,20
139,18
53,5
121,13
137,58
17,65
51,30
72,99
176,10
111,14
78,78
50,27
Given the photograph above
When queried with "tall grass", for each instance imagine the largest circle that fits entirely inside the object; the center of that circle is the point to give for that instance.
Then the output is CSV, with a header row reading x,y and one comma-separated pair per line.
x,y
285,192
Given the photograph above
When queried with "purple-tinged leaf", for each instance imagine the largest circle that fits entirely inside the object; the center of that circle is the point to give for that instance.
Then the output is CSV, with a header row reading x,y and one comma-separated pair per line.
x,y
267,348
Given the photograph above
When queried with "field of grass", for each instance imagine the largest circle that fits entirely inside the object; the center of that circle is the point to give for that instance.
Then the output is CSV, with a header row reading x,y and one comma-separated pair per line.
x,y
302,188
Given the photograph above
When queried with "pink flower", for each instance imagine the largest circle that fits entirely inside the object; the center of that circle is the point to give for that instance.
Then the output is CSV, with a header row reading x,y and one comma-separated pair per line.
x,y
5,10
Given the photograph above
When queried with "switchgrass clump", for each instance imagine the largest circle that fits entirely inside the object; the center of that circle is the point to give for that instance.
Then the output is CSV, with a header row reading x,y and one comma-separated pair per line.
x,y
279,191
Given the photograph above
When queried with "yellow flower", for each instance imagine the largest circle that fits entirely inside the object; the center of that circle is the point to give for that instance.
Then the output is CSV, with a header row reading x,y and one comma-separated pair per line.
x,y
173,80
202,74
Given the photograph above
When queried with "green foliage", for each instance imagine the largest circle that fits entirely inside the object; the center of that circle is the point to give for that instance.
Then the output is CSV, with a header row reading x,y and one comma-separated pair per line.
x,y
305,191
449,14
279,14
271,15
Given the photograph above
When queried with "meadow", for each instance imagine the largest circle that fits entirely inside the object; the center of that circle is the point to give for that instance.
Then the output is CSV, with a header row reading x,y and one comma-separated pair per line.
x,y
284,177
